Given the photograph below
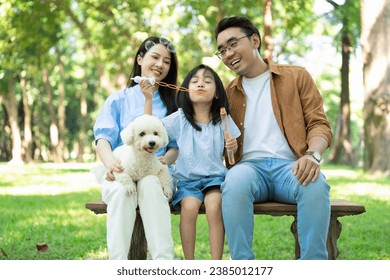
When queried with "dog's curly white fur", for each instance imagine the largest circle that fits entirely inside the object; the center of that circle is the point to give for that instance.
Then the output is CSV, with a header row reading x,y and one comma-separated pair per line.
x,y
141,138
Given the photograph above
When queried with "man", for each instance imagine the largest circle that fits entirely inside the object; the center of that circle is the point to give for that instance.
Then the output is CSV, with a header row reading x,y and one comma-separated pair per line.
x,y
284,132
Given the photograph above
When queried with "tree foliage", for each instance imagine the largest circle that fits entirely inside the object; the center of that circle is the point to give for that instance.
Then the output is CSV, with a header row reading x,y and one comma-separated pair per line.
x,y
87,48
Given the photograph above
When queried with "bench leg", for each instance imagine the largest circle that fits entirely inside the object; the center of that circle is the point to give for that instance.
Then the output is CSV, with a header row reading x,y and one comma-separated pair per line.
x,y
335,228
294,231
138,247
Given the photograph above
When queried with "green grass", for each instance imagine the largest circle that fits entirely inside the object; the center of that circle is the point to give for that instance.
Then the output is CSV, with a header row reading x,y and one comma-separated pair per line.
x,y
44,203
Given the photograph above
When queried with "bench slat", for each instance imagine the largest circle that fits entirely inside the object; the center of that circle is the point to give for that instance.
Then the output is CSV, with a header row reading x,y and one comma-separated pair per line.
x,y
339,207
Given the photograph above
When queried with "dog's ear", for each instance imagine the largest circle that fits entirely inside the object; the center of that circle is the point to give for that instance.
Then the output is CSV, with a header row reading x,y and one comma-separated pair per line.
x,y
127,135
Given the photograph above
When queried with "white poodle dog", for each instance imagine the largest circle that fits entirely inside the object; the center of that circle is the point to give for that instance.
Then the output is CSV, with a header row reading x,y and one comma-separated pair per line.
x,y
141,138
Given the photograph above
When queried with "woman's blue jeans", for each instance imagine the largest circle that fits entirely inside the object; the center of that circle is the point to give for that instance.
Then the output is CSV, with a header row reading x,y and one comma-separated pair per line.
x,y
272,179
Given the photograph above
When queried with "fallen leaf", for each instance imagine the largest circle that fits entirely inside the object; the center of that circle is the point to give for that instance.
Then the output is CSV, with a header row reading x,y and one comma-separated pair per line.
x,y
3,252
42,247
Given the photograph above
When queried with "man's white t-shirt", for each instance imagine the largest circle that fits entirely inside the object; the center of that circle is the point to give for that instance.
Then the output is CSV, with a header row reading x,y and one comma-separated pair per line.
x,y
263,137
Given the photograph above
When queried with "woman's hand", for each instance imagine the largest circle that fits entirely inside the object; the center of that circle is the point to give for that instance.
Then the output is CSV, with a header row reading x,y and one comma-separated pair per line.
x,y
103,149
112,167
147,89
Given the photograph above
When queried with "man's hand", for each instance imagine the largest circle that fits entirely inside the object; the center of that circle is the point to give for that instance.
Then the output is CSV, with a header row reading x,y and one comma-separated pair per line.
x,y
306,169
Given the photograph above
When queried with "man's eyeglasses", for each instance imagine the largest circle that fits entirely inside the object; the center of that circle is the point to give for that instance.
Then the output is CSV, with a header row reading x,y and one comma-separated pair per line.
x,y
231,46
149,44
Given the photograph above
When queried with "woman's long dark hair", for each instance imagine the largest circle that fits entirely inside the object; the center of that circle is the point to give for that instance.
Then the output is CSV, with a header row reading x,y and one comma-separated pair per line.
x,y
167,95
220,99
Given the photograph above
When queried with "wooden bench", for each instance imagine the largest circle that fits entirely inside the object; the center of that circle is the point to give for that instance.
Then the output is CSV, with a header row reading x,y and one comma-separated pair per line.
x,y
339,208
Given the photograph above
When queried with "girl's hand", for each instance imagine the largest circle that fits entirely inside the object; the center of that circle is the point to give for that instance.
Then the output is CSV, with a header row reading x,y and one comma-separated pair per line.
x,y
231,144
170,156
162,160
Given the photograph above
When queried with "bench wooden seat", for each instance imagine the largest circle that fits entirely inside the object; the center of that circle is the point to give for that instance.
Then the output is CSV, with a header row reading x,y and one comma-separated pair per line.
x,y
339,208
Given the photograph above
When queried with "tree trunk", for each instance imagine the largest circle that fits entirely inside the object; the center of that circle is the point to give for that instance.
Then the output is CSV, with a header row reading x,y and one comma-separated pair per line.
x,y
27,142
53,122
39,147
342,152
5,143
376,72
12,109
220,14
61,109
83,120
268,42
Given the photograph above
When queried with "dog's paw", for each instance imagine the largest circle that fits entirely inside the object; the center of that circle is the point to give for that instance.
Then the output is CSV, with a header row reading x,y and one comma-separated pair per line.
x,y
130,190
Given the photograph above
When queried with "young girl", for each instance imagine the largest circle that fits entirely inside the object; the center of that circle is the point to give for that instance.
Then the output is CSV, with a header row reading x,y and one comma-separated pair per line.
x,y
196,128
155,58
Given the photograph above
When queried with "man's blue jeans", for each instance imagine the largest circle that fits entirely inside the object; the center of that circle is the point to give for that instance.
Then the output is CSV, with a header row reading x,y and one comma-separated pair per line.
x,y
272,179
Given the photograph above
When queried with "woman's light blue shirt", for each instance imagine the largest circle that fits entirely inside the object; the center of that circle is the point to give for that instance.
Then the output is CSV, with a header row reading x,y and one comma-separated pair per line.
x,y
121,108
200,152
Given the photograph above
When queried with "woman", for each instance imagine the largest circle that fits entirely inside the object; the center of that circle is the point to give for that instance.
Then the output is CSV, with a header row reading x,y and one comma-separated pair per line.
x,y
155,58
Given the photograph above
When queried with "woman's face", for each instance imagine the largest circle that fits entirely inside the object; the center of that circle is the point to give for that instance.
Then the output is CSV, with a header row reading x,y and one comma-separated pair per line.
x,y
204,85
156,62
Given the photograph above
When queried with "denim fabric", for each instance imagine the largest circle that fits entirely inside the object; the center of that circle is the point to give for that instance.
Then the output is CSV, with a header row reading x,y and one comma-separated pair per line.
x,y
272,179
196,188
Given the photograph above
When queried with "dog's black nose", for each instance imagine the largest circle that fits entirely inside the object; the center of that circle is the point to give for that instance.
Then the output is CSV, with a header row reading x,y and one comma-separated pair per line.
x,y
152,143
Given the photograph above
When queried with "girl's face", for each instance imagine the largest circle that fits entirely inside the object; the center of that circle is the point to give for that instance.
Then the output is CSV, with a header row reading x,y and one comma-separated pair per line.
x,y
204,84
156,62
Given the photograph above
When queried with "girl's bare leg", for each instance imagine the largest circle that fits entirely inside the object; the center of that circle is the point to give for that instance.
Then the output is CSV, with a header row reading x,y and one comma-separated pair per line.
x,y
188,216
213,204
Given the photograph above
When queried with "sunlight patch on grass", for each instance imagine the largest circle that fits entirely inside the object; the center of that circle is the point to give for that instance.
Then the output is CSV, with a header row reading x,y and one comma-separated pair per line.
x,y
346,182
45,179
340,172
372,190
44,190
